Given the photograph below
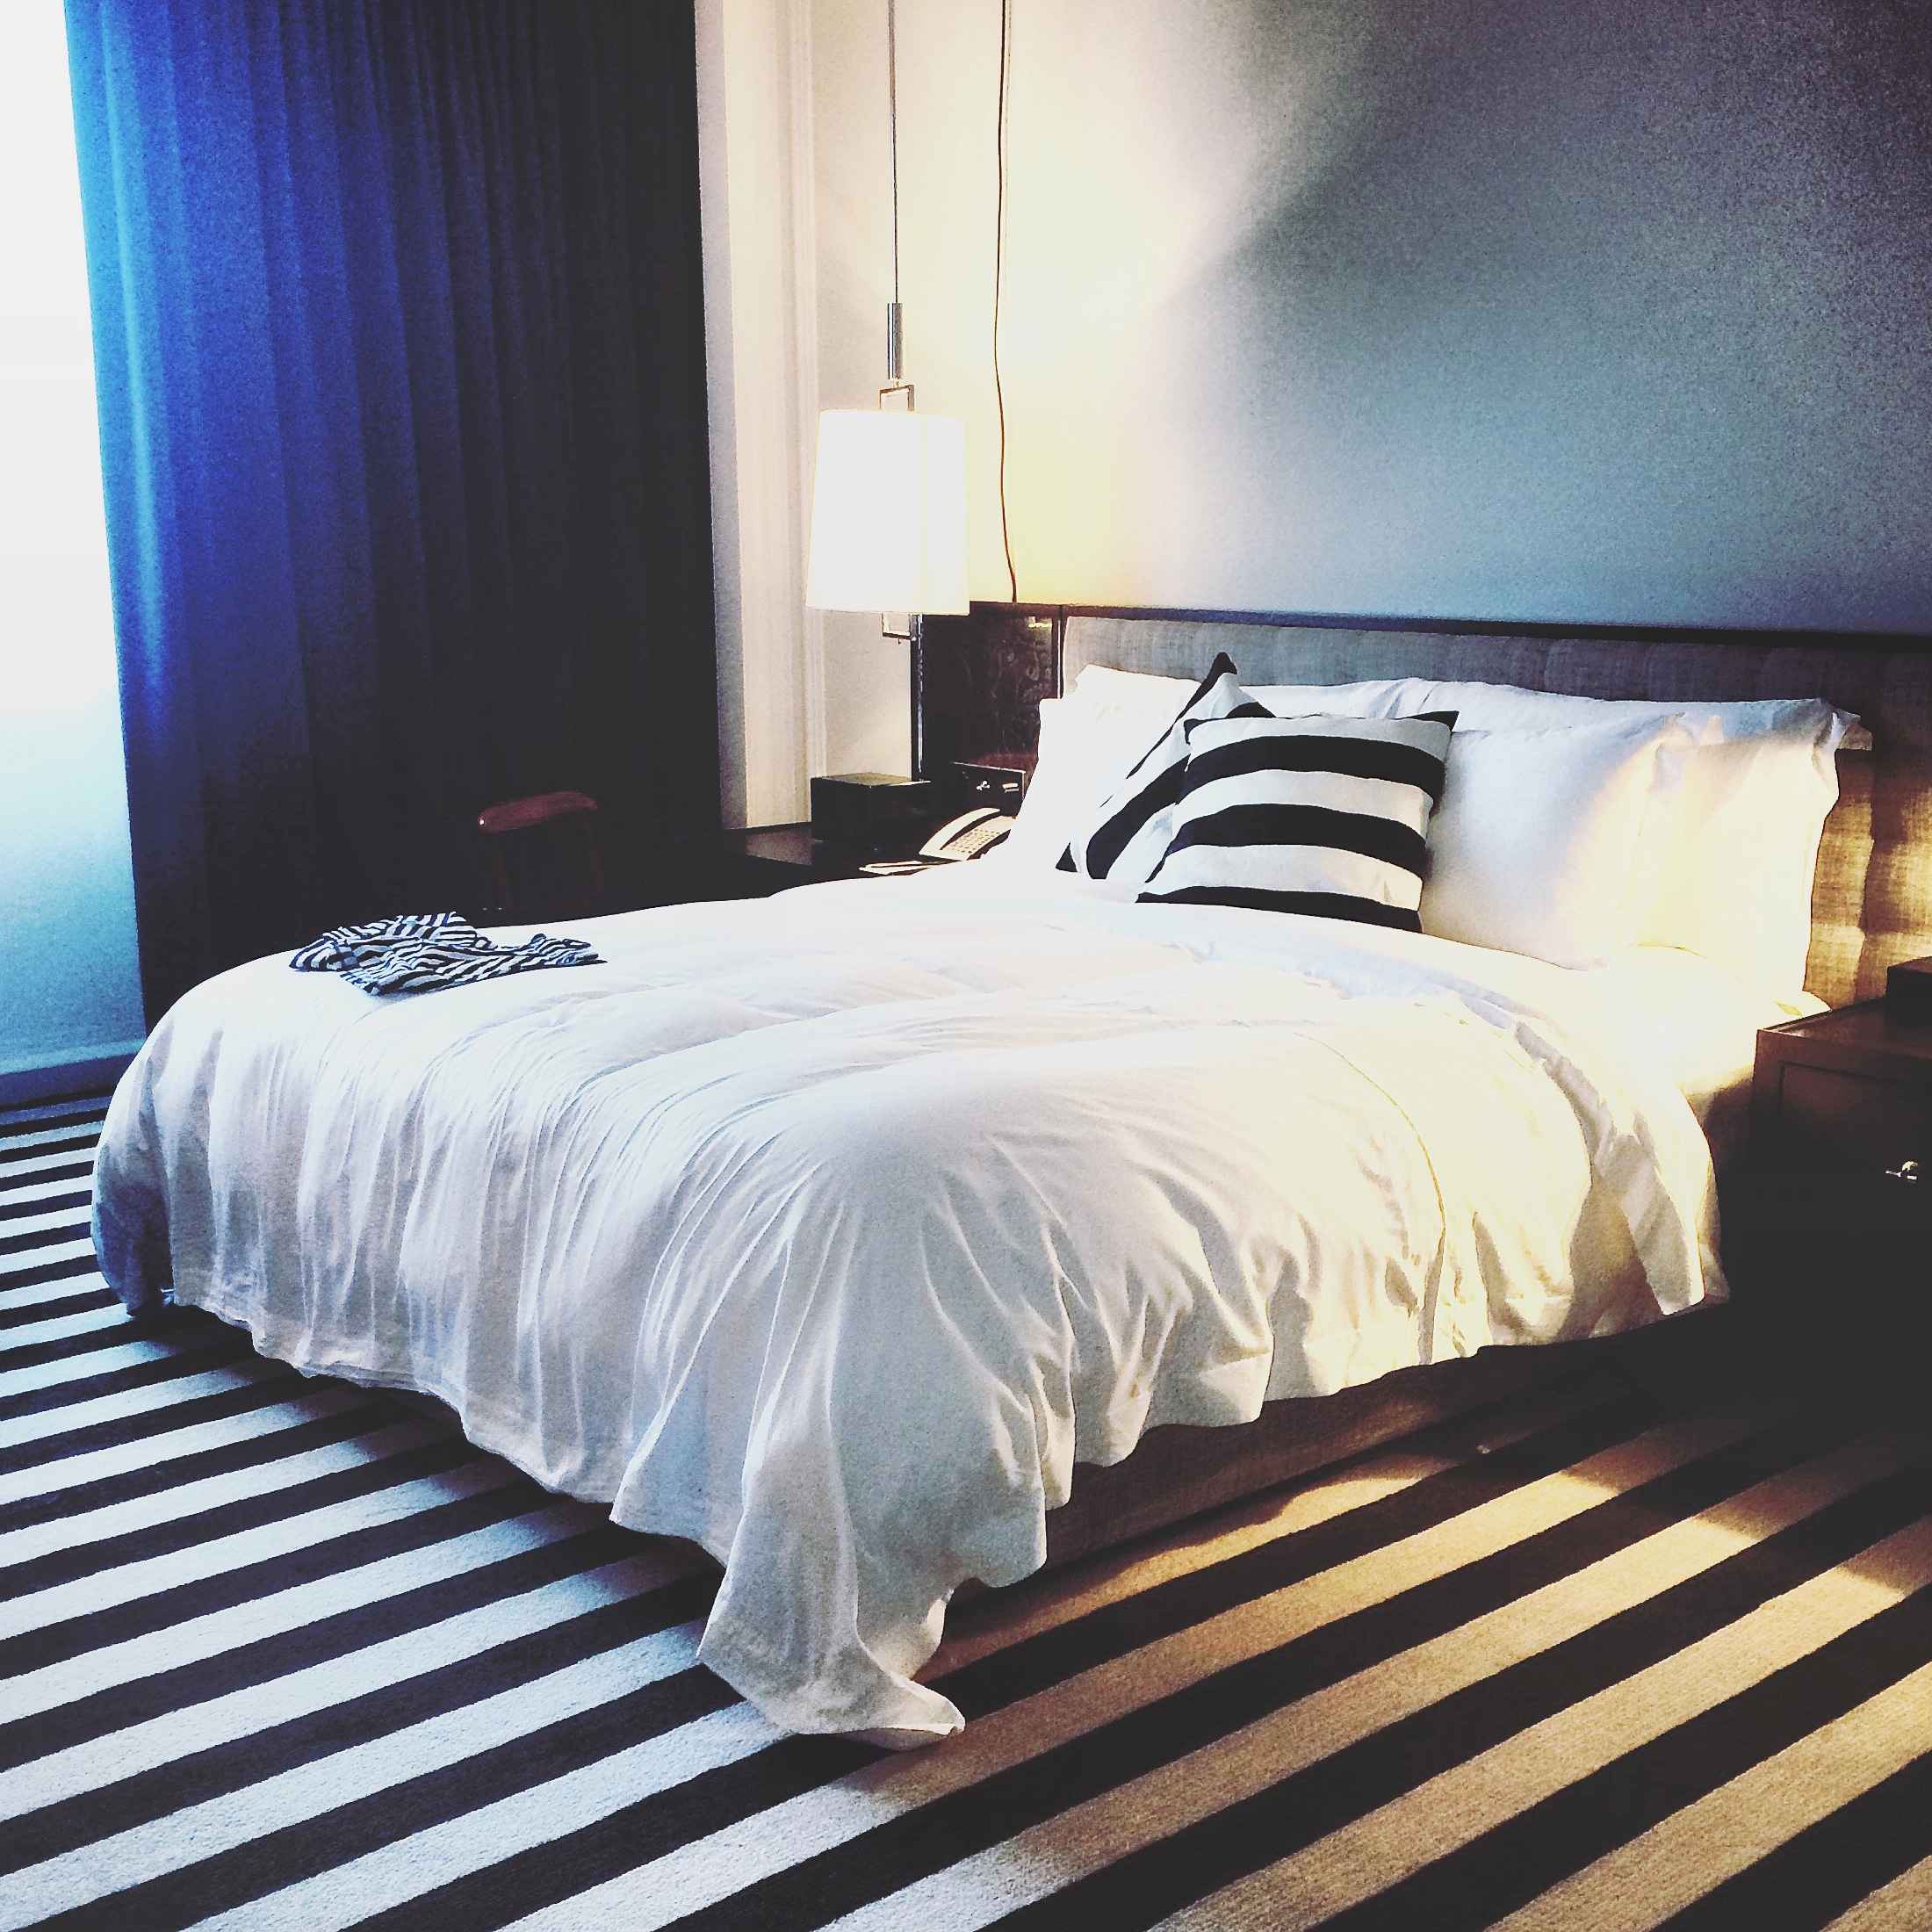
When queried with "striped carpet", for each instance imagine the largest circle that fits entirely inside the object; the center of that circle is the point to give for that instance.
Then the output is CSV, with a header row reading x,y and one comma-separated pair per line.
x,y
281,1652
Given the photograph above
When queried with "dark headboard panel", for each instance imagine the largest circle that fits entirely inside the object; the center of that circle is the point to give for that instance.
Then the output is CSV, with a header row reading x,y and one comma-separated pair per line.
x,y
1872,903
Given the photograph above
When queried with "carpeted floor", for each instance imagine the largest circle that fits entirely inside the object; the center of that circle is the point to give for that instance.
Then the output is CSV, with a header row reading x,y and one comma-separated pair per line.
x,y
281,1652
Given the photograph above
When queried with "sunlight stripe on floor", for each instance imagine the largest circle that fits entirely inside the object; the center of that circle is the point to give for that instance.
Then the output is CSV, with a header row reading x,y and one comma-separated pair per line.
x,y
780,1837
1906,1901
1664,1869
1433,1819
1095,1835
982,1624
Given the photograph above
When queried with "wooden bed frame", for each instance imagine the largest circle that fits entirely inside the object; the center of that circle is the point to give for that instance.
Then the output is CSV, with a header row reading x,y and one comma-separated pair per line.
x,y
1871,905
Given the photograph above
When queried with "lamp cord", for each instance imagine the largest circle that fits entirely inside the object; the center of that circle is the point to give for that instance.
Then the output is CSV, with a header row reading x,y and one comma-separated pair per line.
x,y
892,128
999,263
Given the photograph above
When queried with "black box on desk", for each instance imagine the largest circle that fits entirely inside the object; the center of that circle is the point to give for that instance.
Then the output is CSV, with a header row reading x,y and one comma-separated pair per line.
x,y
991,781
872,812
1908,990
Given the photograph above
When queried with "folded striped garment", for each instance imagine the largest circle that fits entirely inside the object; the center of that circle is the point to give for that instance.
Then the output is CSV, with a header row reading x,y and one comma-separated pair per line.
x,y
424,952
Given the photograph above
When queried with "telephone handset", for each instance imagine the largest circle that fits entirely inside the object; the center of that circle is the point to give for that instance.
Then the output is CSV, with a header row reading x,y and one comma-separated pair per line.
x,y
968,835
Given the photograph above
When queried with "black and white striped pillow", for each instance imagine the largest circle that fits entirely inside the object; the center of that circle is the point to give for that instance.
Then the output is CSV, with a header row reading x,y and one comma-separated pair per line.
x,y
1320,814
1133,823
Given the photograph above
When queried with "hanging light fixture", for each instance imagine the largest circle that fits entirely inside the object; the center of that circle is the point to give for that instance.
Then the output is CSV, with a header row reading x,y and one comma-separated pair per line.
x,y
889,494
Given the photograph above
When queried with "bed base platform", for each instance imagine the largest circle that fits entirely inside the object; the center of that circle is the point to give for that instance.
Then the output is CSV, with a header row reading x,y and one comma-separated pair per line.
x,y
1176,1473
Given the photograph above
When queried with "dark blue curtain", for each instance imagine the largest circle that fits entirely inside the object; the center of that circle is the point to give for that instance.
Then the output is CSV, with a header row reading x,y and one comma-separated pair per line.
x,y
400,346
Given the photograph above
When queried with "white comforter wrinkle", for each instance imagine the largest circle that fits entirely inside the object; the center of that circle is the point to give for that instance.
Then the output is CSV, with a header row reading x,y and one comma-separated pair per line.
x,y
1428,1265
831,1231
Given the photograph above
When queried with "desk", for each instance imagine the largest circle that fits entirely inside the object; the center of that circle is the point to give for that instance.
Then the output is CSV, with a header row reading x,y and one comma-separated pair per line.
x,y
748,864
1834,1244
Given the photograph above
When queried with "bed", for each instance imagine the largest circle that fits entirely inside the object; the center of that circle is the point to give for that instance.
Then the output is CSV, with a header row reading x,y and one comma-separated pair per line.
x,y
835,1232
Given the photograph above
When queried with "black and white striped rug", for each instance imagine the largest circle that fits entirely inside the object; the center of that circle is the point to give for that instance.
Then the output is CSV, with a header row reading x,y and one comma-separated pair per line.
x,y
280,1653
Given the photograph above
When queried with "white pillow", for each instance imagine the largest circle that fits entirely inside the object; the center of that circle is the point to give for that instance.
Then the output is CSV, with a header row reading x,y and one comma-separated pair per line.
x,y
1141,691
1374,697
1535,847
1732,843
1492,707
1737,885
1085,750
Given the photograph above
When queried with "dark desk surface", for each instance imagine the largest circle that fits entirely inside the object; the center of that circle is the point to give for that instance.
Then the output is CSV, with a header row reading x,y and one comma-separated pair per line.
x,y
747,862
1869,1032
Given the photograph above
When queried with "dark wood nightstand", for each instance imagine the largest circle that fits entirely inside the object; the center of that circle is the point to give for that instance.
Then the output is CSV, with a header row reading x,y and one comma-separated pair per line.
x,y
1829,1236
749,864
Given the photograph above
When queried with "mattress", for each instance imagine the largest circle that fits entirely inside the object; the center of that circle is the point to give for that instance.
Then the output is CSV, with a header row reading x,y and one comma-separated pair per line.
x,y
830,1231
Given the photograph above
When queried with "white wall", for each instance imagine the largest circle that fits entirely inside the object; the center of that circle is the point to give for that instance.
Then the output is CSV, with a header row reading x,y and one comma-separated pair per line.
x,y
792,116
755,147
69,981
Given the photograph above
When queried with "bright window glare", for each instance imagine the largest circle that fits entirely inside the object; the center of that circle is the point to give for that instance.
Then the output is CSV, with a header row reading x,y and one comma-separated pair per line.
x,y
70,977
56,623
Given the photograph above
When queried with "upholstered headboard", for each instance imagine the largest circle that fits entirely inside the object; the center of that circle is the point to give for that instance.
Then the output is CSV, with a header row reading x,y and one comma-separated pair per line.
x,y
1872,902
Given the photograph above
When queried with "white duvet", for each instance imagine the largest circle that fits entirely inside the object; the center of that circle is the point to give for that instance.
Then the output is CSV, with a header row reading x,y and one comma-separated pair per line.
x,y
830,1231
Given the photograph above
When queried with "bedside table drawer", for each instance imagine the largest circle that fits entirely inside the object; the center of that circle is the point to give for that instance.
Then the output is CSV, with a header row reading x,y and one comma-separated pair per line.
x,y
1852,1120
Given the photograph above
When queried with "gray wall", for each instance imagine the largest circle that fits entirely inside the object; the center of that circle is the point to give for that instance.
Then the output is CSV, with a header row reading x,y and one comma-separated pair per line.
x,y
1620,312
1510,309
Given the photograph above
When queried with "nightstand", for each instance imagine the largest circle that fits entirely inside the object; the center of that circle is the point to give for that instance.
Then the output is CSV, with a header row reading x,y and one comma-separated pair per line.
x,y
1831,1238
749,864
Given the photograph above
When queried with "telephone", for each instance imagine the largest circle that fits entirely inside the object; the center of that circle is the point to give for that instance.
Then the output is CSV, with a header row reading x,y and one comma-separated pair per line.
x,y
968,835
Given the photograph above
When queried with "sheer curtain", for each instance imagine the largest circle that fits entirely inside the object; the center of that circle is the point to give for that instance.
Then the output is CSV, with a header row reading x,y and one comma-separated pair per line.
x,y
398,340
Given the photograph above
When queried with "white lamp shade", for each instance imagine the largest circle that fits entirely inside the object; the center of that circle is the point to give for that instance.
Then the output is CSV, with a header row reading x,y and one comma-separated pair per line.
x,y
889,513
